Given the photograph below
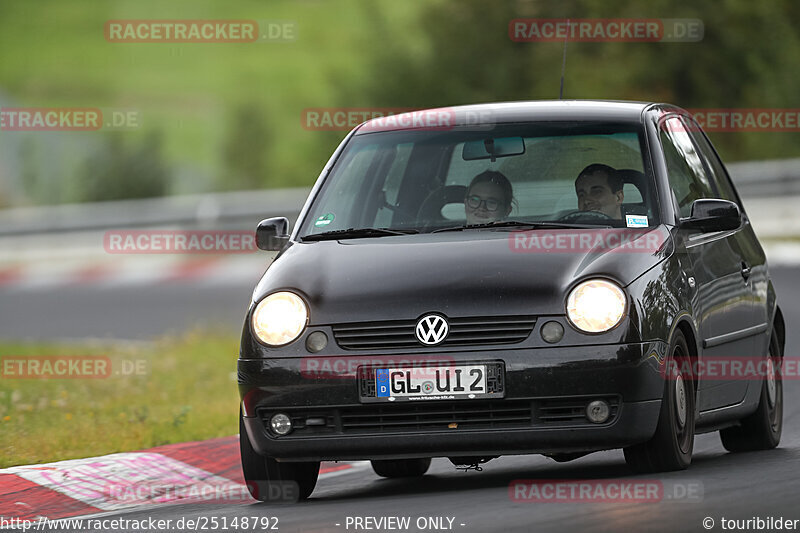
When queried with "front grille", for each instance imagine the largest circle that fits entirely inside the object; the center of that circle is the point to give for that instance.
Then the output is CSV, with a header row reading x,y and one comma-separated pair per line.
x,y
436,416
409,417
433,417
463,332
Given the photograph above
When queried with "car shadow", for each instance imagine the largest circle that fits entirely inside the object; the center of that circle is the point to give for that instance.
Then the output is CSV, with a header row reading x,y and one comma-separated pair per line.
x,y
705,465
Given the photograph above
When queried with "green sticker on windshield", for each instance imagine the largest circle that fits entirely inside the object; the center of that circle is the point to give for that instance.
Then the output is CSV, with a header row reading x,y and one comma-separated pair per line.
x,y
324,220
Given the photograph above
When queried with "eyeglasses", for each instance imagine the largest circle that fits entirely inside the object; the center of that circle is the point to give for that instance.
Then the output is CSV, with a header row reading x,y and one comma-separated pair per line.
x,y
474,202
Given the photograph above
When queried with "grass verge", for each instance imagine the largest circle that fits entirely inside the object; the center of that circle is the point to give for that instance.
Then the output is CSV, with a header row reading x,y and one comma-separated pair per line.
x,y
173,390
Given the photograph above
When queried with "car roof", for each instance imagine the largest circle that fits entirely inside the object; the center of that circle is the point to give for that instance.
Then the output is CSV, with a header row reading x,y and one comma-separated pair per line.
x,y
509,112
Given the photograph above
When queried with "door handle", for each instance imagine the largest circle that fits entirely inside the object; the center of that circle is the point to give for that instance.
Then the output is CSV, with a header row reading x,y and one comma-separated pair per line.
x,y
745,270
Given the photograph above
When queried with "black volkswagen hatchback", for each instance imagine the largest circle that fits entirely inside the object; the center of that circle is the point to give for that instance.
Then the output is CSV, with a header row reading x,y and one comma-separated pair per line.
x,y
534,277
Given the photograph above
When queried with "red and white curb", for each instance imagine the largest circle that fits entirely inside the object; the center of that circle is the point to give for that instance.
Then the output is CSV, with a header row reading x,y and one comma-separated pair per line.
x,y
194,472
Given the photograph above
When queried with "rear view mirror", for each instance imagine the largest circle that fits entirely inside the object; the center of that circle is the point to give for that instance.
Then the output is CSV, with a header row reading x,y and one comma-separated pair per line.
x,y
272,234
493,148
712,214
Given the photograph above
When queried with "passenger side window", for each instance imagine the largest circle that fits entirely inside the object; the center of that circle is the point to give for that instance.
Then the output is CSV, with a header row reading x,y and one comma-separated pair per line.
x,y
687,177
718,174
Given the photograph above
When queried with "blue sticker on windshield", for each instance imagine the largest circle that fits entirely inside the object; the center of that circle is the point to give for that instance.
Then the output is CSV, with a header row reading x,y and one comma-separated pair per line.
x,y
636,221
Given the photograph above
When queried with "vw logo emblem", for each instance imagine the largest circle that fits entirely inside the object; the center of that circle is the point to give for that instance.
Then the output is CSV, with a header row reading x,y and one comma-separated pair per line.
x,y
432,329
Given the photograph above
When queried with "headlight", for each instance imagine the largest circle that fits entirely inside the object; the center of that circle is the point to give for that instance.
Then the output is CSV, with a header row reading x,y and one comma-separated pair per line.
x,y
279,318
596,305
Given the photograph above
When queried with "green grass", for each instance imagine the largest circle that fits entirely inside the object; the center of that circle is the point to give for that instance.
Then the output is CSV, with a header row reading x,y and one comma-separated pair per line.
x,y
54,54
187,392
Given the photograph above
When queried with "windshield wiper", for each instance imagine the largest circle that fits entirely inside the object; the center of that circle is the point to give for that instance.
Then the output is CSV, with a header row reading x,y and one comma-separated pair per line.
x,y
520,224
355,233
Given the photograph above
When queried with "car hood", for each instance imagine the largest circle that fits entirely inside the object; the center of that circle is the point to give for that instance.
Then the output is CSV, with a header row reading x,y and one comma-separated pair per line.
x,y
469,273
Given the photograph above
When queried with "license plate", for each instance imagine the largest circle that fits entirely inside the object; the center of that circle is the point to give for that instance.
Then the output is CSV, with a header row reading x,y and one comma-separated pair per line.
x,y
432,383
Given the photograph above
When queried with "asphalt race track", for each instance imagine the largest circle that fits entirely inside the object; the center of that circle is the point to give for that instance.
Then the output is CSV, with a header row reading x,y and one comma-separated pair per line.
x,y
741,486
136,313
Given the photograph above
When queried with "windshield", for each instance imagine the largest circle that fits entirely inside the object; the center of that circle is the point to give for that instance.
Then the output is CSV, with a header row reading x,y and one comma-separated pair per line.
x,y
587,174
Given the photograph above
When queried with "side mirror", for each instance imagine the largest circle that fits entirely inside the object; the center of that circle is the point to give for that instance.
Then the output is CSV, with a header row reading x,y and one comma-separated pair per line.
x,y
272,234
712,214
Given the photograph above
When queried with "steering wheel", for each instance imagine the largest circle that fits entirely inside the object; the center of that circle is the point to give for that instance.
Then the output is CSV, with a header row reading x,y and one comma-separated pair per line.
x,y
590,216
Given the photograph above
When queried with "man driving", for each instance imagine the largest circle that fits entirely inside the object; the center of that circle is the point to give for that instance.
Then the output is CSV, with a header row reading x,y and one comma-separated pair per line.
x,y
599,188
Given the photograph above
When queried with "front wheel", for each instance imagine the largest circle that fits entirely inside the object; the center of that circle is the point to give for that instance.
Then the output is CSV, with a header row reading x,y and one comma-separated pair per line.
x,y
761,430
671,446
269,480
401,467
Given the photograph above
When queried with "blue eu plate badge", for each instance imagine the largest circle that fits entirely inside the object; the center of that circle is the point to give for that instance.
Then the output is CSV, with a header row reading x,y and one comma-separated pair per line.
x,y
382,382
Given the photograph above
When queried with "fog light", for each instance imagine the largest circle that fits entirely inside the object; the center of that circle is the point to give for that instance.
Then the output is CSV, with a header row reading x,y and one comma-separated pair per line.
x,y
597,411
281,424
316,342
552,332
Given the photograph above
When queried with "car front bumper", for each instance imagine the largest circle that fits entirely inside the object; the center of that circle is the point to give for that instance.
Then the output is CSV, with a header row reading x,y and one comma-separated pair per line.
x,y
544,389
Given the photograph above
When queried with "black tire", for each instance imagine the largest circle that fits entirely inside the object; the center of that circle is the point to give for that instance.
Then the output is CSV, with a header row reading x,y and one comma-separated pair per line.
x,y
761,430
672,445
269,480
392,468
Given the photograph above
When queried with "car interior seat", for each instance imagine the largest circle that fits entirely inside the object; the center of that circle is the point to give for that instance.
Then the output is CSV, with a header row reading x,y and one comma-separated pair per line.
x,y
638,180
430,211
